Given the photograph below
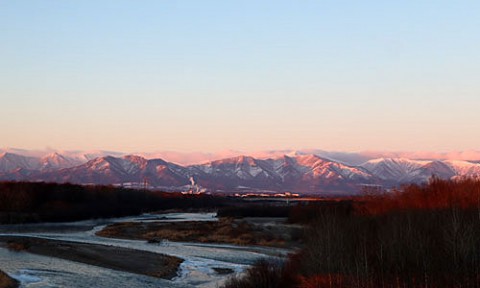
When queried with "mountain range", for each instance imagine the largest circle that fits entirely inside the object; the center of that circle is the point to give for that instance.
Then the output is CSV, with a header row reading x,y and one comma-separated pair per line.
x,y
296,172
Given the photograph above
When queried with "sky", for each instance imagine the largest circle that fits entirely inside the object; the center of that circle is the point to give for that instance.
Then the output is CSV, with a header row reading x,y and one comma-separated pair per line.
x,y
242,75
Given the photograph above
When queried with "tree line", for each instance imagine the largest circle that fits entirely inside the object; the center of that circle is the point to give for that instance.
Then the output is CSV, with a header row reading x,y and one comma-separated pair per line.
x,y
22,202
415,236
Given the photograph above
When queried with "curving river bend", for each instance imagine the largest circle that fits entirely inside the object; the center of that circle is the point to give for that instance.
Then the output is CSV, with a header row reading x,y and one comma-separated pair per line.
x,y
195,271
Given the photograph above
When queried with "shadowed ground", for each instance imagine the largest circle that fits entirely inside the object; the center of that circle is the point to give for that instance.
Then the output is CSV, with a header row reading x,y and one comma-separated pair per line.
x,y
123,259
6,281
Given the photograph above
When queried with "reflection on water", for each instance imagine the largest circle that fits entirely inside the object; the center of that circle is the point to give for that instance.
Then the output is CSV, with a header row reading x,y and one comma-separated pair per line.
x,y
197,270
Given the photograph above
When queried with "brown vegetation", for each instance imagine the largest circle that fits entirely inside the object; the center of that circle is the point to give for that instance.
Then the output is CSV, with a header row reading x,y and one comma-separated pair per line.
x,y
417,236
226,230
6,281
17,246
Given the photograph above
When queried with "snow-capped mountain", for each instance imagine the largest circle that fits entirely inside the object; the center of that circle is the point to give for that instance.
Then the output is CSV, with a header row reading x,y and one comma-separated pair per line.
x,y
295,172
401,170
393,169
319,167
11,162
434,168
56,161
313,173
306,173
464,168
231,173
118,170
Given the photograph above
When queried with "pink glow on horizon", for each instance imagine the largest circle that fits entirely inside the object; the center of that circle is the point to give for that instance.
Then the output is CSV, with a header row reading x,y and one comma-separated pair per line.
x,y
189,158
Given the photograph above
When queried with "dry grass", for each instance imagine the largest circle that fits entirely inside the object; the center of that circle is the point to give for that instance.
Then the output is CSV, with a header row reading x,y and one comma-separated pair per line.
x,y
17,246
226,230
6,281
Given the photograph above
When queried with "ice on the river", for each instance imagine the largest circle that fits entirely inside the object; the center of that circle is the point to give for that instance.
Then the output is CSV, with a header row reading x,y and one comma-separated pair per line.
x,y
26,276
35,271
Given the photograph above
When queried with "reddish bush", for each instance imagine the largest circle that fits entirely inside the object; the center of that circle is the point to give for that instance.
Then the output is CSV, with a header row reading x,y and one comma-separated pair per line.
x,y
438,194
416,236
322,281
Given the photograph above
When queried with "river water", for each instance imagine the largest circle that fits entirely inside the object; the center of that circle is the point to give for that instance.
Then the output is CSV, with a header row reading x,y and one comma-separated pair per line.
x,y
195,271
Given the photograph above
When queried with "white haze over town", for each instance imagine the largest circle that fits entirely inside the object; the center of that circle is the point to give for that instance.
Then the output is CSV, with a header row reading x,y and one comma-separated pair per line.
x,y
190,158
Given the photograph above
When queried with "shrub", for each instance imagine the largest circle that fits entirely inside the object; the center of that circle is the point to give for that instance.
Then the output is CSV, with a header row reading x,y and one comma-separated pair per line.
x,y
263,274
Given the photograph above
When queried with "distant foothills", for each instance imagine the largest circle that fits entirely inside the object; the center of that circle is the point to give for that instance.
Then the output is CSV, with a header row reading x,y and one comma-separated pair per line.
x,y
305,172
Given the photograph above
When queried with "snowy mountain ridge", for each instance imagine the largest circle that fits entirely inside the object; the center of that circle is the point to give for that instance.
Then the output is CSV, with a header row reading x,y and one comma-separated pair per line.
x,y
295,172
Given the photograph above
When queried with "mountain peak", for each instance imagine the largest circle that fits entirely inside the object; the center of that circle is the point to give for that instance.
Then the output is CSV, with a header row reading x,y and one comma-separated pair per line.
x,y
246,159
54,155
10,154
310,159
304,173
135,158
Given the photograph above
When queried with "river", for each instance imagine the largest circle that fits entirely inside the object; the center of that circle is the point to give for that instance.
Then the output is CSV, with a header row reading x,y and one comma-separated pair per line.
x,y
195,271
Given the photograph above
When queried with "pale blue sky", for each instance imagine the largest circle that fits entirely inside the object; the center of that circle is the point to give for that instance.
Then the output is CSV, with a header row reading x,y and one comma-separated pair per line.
x,y
246,75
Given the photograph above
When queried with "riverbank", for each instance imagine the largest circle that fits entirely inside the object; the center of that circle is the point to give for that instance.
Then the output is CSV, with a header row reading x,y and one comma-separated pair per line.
x,y
6,281
123,259
225,230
